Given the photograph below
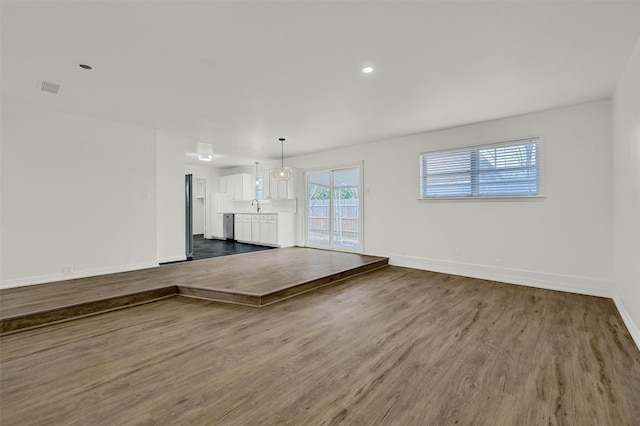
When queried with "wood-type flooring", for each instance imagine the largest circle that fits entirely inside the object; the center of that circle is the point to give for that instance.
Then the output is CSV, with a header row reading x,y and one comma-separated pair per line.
x,y
208,248
394,346
254,279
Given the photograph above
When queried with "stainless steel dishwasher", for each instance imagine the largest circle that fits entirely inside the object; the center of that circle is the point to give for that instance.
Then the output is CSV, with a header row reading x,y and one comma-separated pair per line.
x,y
227,226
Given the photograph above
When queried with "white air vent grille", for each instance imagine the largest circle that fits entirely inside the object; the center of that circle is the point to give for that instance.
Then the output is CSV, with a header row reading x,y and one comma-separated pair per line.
x,y
49,87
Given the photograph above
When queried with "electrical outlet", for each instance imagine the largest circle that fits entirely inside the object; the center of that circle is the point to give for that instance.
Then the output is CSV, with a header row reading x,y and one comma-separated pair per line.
x,y
67,269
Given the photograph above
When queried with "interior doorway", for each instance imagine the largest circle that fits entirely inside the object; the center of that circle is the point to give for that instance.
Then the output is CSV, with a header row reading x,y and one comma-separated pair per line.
x,y
333,209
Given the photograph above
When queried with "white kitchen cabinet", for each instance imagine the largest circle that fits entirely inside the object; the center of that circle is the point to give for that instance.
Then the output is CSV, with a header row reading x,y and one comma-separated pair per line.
x,y
247,235
275,189
242,230
255,227
273,185
286,230
269,229
237,228
283,188
244,187
219,226
266,184
237,187
223,186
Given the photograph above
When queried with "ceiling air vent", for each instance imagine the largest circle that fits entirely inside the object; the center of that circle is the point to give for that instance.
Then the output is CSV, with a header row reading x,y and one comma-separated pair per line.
x,y
49,87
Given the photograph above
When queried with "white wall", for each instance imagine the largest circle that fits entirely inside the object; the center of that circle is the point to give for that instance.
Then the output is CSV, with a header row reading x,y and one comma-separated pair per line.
x,y
170,207
563,241
75,191
104,197
626,194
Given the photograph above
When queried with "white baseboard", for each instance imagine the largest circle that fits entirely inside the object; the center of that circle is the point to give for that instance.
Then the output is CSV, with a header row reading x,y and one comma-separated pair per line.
x,y
628,321
20,282
560,282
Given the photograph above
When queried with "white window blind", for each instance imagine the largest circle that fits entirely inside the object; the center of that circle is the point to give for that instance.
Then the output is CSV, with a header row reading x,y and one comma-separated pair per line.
x,y
510,169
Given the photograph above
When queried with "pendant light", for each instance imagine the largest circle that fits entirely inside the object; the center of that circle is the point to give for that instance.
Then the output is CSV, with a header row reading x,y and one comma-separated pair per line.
x,y
282,174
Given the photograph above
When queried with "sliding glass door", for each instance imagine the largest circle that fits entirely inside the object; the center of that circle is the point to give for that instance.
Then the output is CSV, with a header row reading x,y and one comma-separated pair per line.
x,y
318,209
334,213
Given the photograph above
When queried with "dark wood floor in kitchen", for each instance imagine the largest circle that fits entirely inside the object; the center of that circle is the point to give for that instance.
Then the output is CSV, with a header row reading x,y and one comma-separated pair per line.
x,y
395,347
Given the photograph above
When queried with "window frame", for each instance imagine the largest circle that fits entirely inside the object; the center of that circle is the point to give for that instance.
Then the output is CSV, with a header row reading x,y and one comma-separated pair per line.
x,y
533,197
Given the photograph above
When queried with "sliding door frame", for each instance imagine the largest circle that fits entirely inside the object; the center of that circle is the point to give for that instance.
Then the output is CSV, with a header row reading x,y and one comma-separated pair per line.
x,y
330,170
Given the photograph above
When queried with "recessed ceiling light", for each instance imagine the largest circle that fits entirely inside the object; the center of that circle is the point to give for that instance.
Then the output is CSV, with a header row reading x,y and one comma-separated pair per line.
x,y
367,70
85,66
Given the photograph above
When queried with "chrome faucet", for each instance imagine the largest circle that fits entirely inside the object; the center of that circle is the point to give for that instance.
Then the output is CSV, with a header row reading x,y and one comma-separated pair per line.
x,y
257,204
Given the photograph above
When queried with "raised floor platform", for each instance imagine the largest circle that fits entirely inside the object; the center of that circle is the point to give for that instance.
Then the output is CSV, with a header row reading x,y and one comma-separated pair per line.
x,y
254,279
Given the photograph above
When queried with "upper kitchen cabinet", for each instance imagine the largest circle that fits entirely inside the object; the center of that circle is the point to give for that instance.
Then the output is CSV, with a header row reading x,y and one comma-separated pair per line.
x,y
275,189
225,186
237,187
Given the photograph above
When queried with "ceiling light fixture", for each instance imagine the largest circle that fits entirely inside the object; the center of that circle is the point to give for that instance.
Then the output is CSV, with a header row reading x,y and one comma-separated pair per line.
x,y
367,70
205,152
282,174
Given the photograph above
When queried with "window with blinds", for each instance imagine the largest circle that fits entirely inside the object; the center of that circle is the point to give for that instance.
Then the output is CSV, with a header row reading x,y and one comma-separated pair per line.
x,y
501,170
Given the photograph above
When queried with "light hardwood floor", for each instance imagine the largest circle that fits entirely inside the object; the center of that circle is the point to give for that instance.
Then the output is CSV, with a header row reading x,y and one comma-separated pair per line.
x,y
392,347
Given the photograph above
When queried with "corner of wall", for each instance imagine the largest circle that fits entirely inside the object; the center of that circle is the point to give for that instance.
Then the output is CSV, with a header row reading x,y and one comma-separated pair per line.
x,y
628,321
626,198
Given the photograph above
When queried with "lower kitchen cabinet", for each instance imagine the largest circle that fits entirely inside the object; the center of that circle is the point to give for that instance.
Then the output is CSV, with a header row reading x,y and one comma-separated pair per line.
x,y
237,229
242,227
268,229
271,229
255,225
246,227
286,229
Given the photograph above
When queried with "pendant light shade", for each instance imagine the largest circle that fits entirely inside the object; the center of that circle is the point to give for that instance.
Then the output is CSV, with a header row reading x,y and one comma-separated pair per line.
x,y
282,174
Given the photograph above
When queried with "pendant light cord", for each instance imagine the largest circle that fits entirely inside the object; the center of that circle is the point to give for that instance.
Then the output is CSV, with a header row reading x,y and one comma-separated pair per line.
x,y
282,153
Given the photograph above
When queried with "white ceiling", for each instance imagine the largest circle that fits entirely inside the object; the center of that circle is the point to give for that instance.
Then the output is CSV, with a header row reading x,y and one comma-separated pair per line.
x,y
241,74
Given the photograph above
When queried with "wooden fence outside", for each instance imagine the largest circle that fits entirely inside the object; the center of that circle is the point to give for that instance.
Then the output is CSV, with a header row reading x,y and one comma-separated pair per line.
x,y
346,214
